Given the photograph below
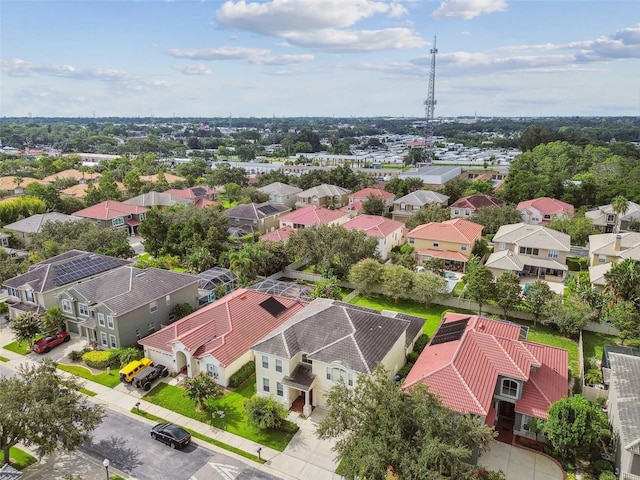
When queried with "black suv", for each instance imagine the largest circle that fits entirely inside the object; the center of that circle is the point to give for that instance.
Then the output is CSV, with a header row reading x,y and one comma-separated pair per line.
x,y
148,375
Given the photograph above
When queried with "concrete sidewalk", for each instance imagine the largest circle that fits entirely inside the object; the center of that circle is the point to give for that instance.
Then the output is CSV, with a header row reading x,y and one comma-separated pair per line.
x,y
305,457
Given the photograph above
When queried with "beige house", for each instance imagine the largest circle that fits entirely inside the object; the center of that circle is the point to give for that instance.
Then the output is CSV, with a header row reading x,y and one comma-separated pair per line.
x,y
530,251
326,343
323,195
606,219
451,241
281,193
605,249
388,233
406,206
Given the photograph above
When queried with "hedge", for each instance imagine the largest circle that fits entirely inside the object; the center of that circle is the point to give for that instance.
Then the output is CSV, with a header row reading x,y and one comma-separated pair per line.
x,y
421,342
243,374
101,358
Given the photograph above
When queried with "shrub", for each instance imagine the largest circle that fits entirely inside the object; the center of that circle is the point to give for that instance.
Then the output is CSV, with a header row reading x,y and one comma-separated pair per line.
x,y
265,413
607,475
101,359
242,375
404,371
421,342
600,467
127,355
412,357
4,308
75,355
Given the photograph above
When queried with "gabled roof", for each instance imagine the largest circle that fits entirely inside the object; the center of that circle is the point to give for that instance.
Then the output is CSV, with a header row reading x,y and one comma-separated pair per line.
x,y
536,236
280,188
9,182
378,192
463,367
151,199
34,223
312,215
278,235
64,269
456,230
169,177
599,215
547,206
597,272
374,225
625,381
605,244
324,190
191,193
475,202
110,209
227,328
127,288
420,198
72,174
256,211
334,332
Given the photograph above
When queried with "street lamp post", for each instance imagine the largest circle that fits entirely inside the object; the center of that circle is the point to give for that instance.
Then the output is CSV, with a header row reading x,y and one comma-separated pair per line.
x,y
105,463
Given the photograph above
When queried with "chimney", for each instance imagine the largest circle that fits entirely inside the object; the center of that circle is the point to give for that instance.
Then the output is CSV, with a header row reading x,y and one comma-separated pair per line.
x,y
618,243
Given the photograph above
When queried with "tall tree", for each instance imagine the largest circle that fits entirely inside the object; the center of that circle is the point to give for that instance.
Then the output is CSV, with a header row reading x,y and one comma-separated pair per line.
x,y
427,286
494,217
508,292
397,282
619,205
201,388
26,327
40,408
478,283
374,205
427,214
376,426
536,298
52,320
365,275
622,281
626,318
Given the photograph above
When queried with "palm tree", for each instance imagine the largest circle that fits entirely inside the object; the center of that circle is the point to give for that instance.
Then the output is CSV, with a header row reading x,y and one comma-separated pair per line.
x,y
52,320
241,264
619,205
623,280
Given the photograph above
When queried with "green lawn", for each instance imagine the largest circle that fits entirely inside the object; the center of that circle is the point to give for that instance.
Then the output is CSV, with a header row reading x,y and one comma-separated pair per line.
x,y
593,344
21,459
19,348
3,359
235,419
107,379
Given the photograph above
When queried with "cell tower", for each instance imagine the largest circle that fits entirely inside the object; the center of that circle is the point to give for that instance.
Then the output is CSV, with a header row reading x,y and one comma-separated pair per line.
x,y
430,106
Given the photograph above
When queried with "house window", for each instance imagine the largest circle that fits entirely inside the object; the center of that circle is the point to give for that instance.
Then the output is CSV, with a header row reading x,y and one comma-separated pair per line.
x,y
339,375
167,300
278,365
306,360
529,250
141,217
535,219
66,306
467,212
265,385
101,319
112,341
547,217
436,244
153,307
110,322
103,339
502,246
463,248
509,388
29,296
602,259
279,389
525,422
137,334
117,222
212,370
554,254
151,326
611,218
13,292
411,240
84,309
403,207
456,211
265,362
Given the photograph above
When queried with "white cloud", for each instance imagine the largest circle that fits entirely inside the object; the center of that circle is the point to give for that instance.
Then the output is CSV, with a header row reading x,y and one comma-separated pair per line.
x,y
283,59
221,53
357,40
194,69
469,9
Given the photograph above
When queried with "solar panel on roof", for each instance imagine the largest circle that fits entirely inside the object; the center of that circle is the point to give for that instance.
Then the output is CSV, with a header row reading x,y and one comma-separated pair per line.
x,y
83,267
198,191
450,332
273,306
268,209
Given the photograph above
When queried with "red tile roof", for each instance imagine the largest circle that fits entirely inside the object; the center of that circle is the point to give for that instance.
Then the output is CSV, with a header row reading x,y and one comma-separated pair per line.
x,y
110,209
456,230
312,215
365,192
464,372
374,225
444,254
475,202
226,328
278,235
547,205
191,192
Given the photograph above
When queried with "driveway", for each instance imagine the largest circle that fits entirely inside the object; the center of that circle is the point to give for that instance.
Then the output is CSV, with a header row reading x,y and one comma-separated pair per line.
x,y
520,464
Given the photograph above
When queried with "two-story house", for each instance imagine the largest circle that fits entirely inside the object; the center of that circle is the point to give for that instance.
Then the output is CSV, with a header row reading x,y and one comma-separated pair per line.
x,y
388,233
356,199
312,216
323,195
157,199
200,195
35,290
530,251
256,217
542,210
467,207
406,206
111,213
483,367
217,338
126,304
329,342
606,219
606,249
281,193
451,241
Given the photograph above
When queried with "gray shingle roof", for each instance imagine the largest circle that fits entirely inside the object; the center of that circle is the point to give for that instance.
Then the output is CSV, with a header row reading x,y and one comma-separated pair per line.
x,y
256,211
625,380
160,199
128,288
279,188
34,223
420,198
7,472
43,276
332,331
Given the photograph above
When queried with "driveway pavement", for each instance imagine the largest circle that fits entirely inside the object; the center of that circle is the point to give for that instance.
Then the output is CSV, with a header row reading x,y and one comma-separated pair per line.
x,y
520,464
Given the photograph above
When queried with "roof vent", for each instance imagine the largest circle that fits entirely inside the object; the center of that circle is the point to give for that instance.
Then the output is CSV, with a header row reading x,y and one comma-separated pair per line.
x,y
141,274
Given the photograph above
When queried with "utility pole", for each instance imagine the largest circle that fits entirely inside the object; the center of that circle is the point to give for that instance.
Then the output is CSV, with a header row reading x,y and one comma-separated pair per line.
x,y
430,105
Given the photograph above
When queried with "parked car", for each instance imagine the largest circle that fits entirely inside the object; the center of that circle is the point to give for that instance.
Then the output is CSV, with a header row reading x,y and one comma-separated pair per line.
x,y
44,345
171,434
145,378
131,369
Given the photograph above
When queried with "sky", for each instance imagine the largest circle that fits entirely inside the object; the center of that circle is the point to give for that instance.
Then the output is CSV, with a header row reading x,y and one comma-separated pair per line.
x,y
296,58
